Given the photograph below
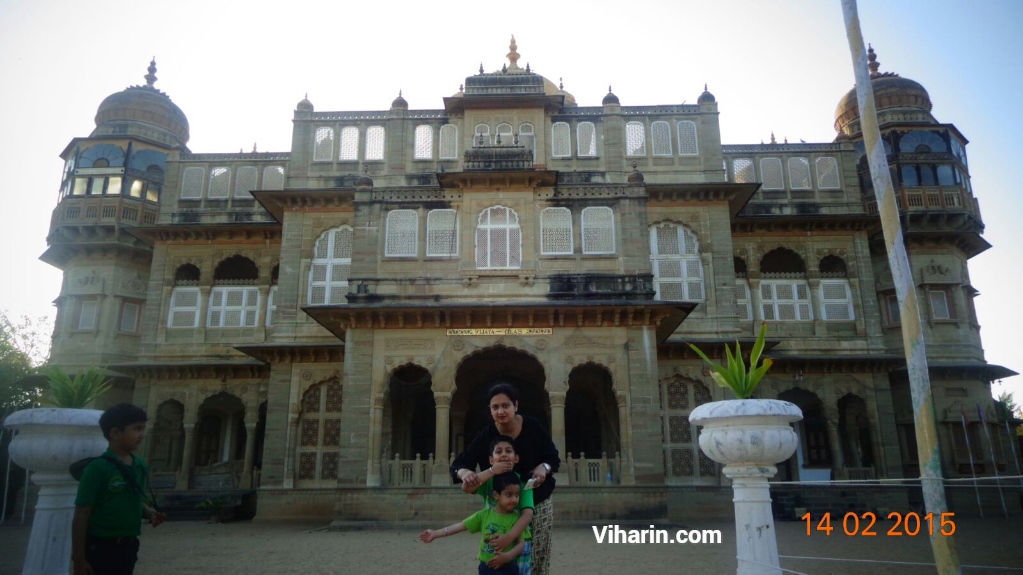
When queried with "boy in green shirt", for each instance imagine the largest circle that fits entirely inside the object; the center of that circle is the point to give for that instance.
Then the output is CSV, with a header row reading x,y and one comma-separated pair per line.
x,y
110,502
491,523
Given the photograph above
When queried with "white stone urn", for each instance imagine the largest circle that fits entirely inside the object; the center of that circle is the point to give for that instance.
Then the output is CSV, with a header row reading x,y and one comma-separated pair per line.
x,y
749,436
49,440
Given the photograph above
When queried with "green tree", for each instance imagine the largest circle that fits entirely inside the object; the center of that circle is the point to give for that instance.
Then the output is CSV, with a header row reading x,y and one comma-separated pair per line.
x,y
1010,409
22,351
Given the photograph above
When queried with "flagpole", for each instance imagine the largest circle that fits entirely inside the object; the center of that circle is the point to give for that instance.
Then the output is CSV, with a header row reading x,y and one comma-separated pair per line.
x,y
945,557
994,462
973,468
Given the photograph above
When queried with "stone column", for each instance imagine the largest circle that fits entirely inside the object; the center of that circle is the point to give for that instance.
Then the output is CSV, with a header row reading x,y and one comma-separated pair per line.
x,y
558,422
185,473
440,477
376,419
250,448
289,451
628,476
835,443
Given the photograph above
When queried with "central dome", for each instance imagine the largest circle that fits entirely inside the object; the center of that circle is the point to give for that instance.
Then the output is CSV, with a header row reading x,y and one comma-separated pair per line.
x,y
143,111
890,91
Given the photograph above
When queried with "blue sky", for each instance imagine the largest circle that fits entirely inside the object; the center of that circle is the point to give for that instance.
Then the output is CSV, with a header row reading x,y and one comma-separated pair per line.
x,y
238,68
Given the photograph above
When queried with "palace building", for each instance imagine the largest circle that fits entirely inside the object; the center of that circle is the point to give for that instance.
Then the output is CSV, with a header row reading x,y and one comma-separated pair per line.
x,y
321,324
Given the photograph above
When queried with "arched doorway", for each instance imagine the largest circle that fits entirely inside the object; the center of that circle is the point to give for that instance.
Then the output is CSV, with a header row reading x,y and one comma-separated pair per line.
x,y
481,371
813,458
168,440
591,413
220,438
410,414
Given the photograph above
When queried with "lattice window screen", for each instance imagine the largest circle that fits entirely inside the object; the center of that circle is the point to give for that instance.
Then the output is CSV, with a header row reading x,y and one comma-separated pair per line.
x,y
743,304
191,183
771,172
683,463
598,230
402,235
827,174
498,239
687,143
836,300
660,134
319,436
245,181
586,138
561,144
220,183
442,233
375,143
742,171
635,139
449,142
349,148
323,144
184,307
330,268
423,143
677,266
233,307
556,231
785,300
799,173
273,178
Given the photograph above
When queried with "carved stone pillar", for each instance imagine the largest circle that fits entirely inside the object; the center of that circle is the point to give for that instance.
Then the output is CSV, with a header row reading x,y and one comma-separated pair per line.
x,y
376,418
628,476
185,473
289,454
250,449
558,422
442,399
835,443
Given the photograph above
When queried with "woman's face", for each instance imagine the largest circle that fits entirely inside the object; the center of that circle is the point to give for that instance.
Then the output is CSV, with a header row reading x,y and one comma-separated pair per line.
x,y
502,409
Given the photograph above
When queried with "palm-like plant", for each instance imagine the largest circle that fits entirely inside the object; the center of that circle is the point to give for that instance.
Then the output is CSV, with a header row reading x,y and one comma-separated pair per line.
x,y
736,376
74,392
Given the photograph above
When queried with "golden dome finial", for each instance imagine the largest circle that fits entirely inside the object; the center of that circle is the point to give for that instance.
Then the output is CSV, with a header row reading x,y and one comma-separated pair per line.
x,y
151,76
872,62
513,54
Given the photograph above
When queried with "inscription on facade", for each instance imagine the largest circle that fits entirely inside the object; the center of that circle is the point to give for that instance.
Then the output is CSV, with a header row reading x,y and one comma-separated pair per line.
x,y
503,331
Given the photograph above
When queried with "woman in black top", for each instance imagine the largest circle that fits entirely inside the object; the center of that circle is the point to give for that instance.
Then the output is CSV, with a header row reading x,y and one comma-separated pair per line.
x,y
538,460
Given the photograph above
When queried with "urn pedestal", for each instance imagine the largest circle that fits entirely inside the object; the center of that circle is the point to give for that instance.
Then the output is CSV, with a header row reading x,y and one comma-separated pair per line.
x,y
749,436
49,440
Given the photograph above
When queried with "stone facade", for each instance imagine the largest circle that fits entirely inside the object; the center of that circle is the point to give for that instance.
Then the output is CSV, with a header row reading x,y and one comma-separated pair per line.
x,y
322,323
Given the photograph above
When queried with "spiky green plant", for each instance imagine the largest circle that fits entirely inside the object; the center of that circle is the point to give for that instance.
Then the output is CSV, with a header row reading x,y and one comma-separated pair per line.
x,y
74,392
736,376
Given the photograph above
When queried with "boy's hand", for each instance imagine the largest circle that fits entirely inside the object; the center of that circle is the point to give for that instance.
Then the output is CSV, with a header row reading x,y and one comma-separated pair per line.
x,y
82,567
502,541
502,467
498,560
157,517
426,537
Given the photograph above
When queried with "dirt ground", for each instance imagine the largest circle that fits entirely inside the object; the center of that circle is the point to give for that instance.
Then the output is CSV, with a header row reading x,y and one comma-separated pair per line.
x,y
302,548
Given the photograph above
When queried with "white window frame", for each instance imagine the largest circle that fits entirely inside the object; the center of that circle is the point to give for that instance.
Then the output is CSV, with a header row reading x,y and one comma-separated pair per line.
x,y
323,144
401,229
781,174
635,133
487,228
561,140
175,307
376,141
271,306
332,240
689,278
743,300
799,174
348,147
665,129
441,241
220,183
827,170
688,140
946,299
527,138
274,172
189,178
88,314
553,221
245,179
830,307
247,312
802,309
744,171
129,309
422,148
449,142
589,230
591,142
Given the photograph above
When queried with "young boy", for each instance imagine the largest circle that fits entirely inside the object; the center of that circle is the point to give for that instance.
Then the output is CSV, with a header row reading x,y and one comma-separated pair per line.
x,y
110,503
491,523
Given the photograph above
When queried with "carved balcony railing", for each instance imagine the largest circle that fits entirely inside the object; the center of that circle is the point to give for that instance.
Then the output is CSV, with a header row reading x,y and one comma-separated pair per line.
x,y
602,286
104,210
930,199
418,472
592,472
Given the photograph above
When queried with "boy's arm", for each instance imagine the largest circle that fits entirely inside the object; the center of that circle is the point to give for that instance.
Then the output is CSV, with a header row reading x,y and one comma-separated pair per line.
x,y
154,517
508,556
79,530
506,539
431,534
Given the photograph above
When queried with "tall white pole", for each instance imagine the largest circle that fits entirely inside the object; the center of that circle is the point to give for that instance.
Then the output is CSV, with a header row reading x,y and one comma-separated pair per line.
x,y
944,549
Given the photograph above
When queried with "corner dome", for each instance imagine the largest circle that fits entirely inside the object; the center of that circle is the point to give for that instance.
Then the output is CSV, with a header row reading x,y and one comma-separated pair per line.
x,y
610,98
890,91
706,97
143,111
399,102
304,105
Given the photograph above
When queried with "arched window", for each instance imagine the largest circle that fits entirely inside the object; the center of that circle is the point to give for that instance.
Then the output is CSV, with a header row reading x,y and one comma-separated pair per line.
x,y
784,291
442,233
676,263
191,183
598,230
527,139
273,178
245,181
449,142
349,144
921,141
555,231
835,291
481,135
102,156
687,143
323,144
375,143
498,239
771,173
185,298
401,237
234,298
331,266
660,133
561,143
319,435
271,296
586,138
423,143
504,135
742,171
220,183
635,139
799,173
827,174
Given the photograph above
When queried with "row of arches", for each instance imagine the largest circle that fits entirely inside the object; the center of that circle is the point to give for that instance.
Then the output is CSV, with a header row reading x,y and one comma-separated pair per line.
x,y
788,262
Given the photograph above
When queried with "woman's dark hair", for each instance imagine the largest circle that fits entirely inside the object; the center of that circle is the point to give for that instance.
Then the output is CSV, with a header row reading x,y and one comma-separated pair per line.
x,y
121,416
504,480
501,439
506,389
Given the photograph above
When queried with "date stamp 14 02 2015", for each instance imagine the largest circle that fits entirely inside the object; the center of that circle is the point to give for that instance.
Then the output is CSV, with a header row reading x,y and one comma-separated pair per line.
x,y
864,524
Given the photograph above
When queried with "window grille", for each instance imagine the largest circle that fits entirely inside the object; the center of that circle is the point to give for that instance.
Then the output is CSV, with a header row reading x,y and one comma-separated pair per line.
x,y
743,304
319,435
498,239
271,306
771,172
129,317
561,144
660,134
220,183
836,300
331,267
586,138
799,174
827,174
423,143
273,178
481,135
184,308
323,145
349,149
598,230
442,233
635,139
742,171
233,307
191,183
785,300
375,143
87,314
245,181
402,234
556,231
449,142
687,143
676,263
